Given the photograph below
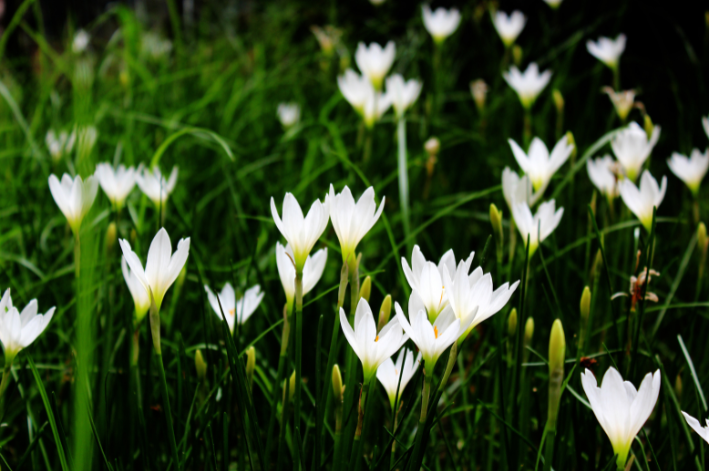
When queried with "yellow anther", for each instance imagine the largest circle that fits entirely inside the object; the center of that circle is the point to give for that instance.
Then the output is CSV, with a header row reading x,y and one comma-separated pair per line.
x,y
435,331
376,339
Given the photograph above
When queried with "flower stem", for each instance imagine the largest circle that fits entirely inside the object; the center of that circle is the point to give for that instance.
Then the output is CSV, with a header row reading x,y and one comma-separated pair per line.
x,y
3,386
77,255
358,442
417,455
527,126
403,178
279,379
298,354
549,447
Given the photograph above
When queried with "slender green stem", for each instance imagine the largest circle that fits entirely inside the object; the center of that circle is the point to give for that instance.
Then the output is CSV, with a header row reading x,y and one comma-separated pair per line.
x,y
3,386
298,354
77,255
351,359
527,126
417,456
337,463
279,379
358,442
403,178
549,448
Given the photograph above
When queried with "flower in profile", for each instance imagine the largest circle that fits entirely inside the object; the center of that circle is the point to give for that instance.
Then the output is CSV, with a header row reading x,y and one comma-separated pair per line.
x,y
74,197
372,349
538,164
328,37
695,424
154,185
620,408
116,183
162,268
516,189
509,26
389,373
528,84
607,50
632,147
312,271
440,23
537,227
60,144
19,330
602,172
690,170
623,101
375,61
288,114
479,89
641,201
235,310
141,298
80,42
402,93
375,106
638,289
301,232
356,89
351,220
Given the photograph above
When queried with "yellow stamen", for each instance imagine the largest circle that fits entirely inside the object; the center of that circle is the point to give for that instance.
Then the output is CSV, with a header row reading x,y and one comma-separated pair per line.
x,y
435,331
232,311
376,339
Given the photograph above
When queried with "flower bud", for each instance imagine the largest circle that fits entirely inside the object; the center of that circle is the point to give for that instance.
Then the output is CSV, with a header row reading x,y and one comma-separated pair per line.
x,y
366,290
250,366
111,238
384,312
498,232
344,277
558,100
585,304
512,323
528,335
572,142
338,390
291,388
432,146
478,88
648,126
702,237
517,54
557,354
200,365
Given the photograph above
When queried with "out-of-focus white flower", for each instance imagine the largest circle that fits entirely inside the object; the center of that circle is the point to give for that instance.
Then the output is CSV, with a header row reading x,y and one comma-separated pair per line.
x,y
375,106
288,114
116,183
538,164
235,310
694,423
301,232
74,197
376,3
623,101
19,330
155,46
642,200
537,227
60,144
528,84
375,61
516,189
80,42
328,37
705,123
440,23
141,298
356,89
389,373
154,185
86,140
690,170
402,93
509,27
554,4
620,408
312,270
607,50
351,220
478,88
602,175
632,147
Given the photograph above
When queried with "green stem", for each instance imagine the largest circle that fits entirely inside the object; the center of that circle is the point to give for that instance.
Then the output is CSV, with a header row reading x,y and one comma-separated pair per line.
x,y
549,448
77,255
358,442
403,178
417,456
337,460
3,386
298,355
527,126
351,359
279,379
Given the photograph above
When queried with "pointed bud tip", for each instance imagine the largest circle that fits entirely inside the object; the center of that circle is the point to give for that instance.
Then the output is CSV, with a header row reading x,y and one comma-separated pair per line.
x,y
200,365
557,347
366,289
384,312
512,323
585,304
338,389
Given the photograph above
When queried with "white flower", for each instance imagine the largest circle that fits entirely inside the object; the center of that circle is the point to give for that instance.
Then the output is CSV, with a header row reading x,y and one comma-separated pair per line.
x,y
352,221
607,50
117,184
154,185
19,330
389,373
301,232
528,84
705,123
690,170
74,197
162,268
288,114
154,46
375,62
694,423
537,227
620,408
516,189
632,147
81,41
376,105
61,144
641,201
328,37
402,93
371,348
312,270
427,279
440,23
623,101
554,4
86,140
479,89
509,27
601,173
355,88
238,310
538,164
141,298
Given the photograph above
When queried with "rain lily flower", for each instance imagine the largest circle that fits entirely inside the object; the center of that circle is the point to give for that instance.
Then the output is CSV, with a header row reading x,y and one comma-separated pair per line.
x,y
479,89
641,201
19,330
301,232
528,84
162,267
141,298
372,349
116,183
620,408
537,227
351,220
312,270
154,185
602,173
60,144
288,114
690,170
638,290
375,62
74,197
691,421
427,279
235,310
402,93
356,89
538,164
440,23
516,188
607,50
509,26
632,147
389,373
375,106
80,42
328,37
623,101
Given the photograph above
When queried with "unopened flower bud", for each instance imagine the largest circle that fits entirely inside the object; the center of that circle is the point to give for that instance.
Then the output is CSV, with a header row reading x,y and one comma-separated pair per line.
x,y
338,390
478,88
572,142
200,365
498,232
702,237
250,366
291,388
648,126
432,146
585,304
512,323
111,238
558,100
366,289
517,54
528,331
384,312
557,355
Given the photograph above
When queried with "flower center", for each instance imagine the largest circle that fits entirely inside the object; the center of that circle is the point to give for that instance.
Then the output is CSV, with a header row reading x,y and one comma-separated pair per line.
x,y
231,312
435,331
